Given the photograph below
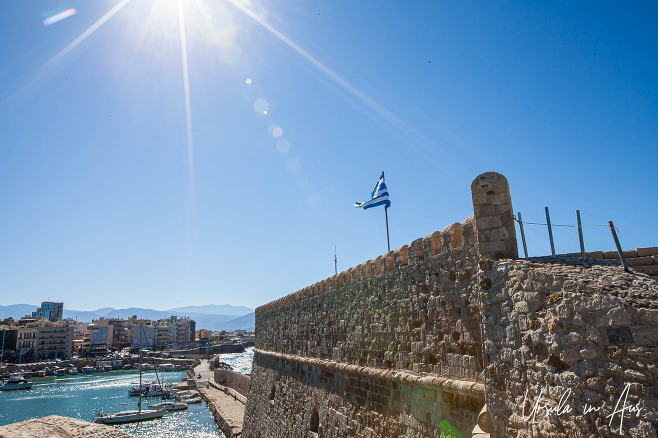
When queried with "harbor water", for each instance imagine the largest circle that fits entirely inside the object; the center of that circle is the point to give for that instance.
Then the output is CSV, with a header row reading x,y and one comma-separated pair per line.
x,y
84,395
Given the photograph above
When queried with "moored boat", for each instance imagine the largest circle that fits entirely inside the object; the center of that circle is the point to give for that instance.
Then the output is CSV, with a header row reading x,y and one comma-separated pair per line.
x,y
16,382
128,416
169,406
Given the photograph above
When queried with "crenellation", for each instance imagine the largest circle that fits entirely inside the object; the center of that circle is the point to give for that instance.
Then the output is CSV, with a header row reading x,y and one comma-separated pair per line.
x,y
456,240
402,256
390,261
415,252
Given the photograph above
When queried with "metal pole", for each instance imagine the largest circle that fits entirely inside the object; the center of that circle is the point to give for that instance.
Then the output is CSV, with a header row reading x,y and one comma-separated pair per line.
x,y
388,241
580,235
335,262
550,231
621,254
525,248
2,352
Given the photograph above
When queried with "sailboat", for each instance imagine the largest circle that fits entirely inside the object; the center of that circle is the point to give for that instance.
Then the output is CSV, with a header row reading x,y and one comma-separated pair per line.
x,y
131,416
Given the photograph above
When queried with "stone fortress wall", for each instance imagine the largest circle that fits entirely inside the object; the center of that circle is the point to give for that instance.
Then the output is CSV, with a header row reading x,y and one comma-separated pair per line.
x,y
446,335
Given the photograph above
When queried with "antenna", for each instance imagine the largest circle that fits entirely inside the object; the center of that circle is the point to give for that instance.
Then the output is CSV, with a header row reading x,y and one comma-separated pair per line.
x,y
335,261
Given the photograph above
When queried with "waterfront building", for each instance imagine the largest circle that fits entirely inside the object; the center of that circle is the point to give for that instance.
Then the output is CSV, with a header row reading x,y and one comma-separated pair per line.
x,y
143,335
97,340
54,340
175,333
26,342
8,337
51,310
202,335
122,333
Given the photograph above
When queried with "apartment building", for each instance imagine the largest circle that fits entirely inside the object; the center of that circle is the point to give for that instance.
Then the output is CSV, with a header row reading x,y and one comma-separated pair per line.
x,y
98,339
54,340
51,310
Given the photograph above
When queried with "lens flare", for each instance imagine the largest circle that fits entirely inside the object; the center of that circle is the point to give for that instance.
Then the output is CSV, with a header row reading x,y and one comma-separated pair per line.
x,y
294,165
59,17
261,106
277,131
283,146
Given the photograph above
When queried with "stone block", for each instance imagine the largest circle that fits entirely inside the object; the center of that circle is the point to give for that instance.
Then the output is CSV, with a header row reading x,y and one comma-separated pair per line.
x,y
647,251
639,261
616,317
487,222
596,255
645,335
611,255
649,270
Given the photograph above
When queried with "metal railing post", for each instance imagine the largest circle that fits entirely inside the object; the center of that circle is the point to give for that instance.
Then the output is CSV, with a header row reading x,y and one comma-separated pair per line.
x,y
621,254
580,235
550,231
525,248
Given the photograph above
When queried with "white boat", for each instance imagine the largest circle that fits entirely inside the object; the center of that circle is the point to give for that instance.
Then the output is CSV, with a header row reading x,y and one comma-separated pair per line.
x,y
129,416
190,400
141,388
167,367
16,382
59,372
169,406
73,371
157,390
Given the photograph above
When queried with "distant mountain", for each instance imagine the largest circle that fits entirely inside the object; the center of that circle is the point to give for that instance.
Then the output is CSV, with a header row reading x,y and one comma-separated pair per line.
x,y
82,315
204,316
246,322
215,309
16,311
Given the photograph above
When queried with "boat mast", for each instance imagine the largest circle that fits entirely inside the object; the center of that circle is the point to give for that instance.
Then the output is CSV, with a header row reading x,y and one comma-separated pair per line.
x,y
139,404
3,348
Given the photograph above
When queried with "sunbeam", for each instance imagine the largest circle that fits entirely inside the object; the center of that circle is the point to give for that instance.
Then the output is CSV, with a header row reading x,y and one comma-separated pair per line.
x,y
186,86
384,113
84,35
72,45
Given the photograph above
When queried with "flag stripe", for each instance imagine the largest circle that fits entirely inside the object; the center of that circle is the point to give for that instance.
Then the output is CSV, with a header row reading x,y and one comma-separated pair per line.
x,y
379,196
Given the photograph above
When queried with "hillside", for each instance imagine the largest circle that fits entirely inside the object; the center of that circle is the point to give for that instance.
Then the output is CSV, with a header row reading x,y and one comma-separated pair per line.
x,y
206,317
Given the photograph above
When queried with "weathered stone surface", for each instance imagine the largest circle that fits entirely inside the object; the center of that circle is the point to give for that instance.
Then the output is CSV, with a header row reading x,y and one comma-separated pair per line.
x,y
55,426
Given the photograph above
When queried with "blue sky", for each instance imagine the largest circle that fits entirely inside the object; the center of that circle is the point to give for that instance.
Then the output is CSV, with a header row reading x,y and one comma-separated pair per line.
x,y
295,107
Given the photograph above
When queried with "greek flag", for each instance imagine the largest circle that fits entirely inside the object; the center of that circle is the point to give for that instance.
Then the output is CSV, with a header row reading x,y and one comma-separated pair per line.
x,y
379,196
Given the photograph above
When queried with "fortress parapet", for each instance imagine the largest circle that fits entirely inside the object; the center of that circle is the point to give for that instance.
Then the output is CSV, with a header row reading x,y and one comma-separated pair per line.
x,y
444,336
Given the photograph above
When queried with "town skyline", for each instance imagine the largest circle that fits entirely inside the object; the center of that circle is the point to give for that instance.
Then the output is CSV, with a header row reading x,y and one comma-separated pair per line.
x,y
158,156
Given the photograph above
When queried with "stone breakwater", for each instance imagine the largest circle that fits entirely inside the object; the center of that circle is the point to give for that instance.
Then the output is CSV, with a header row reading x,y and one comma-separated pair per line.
x,y
226,405
445,336
55,426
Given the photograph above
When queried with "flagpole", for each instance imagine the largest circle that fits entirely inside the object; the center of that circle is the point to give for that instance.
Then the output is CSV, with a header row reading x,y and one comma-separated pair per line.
x,y
386,213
